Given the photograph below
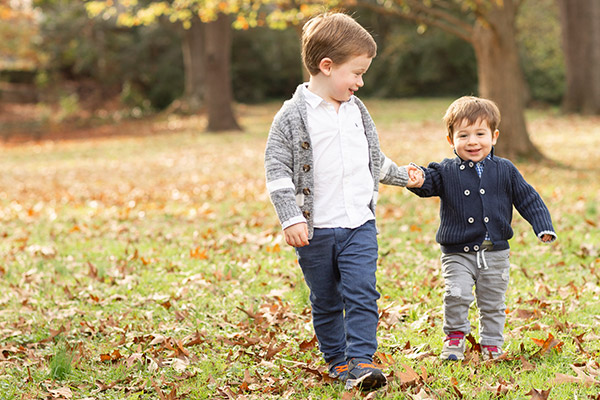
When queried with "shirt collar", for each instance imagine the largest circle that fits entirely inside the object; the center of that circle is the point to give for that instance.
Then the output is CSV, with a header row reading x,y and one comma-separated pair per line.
x,y
314,100
488,157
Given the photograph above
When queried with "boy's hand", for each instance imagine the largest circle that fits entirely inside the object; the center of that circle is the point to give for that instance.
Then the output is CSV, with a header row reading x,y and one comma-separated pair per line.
x,y
416,177
296,235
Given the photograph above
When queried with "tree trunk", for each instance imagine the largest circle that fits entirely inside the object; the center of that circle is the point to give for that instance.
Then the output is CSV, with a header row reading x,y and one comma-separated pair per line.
x,y
194,66
219,93
501,79
580,22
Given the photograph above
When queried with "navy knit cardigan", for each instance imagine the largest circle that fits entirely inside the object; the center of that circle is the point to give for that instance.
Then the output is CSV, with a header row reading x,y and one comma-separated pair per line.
x,y
470,206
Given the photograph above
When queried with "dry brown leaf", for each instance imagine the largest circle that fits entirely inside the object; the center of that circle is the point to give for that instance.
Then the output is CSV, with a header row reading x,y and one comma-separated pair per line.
x,y
527,366
410,377
61,393
546,345
309,344
538,394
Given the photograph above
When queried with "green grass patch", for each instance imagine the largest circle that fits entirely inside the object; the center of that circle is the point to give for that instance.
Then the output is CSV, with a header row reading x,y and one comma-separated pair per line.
x,y
149,266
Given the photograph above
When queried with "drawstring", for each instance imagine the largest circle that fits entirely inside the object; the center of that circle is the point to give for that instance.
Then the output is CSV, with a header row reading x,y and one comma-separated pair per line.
x,y
485,266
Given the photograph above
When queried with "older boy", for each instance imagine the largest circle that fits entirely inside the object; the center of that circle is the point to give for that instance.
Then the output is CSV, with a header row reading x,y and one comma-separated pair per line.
x,y
478,191
323,167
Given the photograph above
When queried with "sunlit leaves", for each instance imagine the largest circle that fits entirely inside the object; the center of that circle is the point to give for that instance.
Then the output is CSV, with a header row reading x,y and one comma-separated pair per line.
x,y
276,14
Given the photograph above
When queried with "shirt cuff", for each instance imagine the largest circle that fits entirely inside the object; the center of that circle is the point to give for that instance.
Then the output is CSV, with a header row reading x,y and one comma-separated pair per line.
x,y
293,221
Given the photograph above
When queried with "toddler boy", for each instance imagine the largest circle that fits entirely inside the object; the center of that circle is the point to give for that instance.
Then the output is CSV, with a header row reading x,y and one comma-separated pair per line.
x,y
323,167
477,191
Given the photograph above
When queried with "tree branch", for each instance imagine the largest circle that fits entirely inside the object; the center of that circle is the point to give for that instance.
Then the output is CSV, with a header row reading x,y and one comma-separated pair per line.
x,y
438,13
423,15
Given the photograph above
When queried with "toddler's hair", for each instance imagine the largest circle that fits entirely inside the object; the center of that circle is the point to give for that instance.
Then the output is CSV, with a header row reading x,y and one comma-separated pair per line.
x,y
471,108
337,36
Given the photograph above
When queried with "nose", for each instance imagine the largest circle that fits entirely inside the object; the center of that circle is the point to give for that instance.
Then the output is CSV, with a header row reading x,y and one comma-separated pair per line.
x,y
360,82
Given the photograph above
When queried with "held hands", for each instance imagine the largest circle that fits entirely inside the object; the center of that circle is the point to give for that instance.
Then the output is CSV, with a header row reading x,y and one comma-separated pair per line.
x,y
416,177
296,235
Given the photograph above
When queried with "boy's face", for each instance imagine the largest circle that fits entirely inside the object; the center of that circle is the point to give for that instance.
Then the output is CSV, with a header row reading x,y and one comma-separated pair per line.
x,y
346,78
473,141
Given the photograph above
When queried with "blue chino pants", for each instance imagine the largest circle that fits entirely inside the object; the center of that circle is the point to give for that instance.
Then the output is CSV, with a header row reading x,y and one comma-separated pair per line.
x,y
339,268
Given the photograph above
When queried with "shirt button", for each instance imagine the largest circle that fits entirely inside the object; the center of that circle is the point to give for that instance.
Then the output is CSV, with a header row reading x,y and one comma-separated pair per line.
x,y
471,220
462,167
476,248
305,145
466,249
482,191
306,191
486,220
306,214
471,164
467,192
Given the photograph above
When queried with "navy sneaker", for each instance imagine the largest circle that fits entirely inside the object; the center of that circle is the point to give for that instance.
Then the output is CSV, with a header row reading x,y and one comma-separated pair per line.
x,y
365,374
339,371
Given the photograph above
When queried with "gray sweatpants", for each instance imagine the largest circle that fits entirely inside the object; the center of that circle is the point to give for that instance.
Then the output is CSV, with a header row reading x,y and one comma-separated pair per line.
x,y
488,271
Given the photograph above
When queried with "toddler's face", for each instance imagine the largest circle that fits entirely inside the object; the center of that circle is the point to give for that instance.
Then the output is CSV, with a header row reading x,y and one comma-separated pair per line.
x,y
473,141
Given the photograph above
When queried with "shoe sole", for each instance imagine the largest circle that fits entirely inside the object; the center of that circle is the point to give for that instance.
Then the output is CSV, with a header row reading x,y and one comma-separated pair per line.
x,y
373,382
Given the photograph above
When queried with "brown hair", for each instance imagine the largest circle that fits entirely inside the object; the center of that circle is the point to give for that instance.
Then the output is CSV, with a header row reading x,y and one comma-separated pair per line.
x,y
337,36
471,108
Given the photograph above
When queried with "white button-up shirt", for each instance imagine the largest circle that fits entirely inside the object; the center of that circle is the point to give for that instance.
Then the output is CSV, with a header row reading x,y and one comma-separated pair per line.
x,y
343,182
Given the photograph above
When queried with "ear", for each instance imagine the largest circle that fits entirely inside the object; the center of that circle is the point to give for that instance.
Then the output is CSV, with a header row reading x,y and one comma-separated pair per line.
x,y
495,135
325,65
449,139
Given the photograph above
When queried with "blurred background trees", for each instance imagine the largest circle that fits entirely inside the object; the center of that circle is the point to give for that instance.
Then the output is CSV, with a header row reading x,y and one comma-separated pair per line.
x,y
150,59
580,21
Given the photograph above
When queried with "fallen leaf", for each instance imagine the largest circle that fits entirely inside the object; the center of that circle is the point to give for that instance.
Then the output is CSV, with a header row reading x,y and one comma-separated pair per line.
x,y
546,345
309,344
538,394
527,366
64,392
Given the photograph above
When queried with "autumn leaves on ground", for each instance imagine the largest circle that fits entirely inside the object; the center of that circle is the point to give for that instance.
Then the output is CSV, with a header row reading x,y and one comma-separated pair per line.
x,y
151,266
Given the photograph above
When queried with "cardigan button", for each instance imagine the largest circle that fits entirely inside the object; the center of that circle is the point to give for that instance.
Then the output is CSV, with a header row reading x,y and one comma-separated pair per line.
x,y
476,248
471,164
462,167
486,220
467,192
466,249
306,167
471,220
306,191
482,191
305,145
306,214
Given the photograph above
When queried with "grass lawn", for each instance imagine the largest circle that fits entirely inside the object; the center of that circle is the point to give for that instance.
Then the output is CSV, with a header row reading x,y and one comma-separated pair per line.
x,y
152,267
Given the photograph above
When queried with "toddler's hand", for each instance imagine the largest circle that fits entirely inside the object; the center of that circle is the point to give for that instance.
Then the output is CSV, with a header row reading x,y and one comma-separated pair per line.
x,y
415,176
547,238
296,235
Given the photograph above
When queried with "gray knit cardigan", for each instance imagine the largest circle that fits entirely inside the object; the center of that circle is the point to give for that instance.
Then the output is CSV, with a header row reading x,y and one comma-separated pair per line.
x,y
289,162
